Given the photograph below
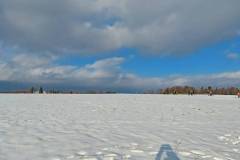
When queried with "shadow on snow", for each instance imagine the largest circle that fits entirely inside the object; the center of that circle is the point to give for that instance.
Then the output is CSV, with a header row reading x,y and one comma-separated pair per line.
x,y
166,153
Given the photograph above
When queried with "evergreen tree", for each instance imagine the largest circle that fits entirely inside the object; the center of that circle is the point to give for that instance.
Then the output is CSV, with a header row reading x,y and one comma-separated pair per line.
x,y
41,90
32,89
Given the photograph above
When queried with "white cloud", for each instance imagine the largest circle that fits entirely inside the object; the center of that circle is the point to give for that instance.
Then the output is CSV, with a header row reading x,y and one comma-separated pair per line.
x,y
93,26
233,56
104,74
31,61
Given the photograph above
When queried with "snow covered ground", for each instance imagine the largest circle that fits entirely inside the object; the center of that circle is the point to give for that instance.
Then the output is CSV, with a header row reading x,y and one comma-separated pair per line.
x,y
116,127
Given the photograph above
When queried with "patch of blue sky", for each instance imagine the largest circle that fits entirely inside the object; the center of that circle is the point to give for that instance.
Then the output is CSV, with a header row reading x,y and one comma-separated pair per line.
x,y
210,60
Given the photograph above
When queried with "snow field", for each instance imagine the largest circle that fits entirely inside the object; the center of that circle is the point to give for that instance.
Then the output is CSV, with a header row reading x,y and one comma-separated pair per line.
x,y
119,127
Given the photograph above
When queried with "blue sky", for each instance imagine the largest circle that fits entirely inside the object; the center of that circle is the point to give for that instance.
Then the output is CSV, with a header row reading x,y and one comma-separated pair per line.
x,y
207,60
119,45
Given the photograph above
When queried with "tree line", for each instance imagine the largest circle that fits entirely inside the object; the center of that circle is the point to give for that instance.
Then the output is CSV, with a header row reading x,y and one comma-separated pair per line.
x,y
193,90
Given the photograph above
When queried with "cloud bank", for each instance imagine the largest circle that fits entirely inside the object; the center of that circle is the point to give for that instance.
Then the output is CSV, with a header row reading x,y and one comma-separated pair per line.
x,y
102,74
96,26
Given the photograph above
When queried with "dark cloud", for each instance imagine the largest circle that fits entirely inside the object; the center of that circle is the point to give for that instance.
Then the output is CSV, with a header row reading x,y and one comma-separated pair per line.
x,y
73,26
